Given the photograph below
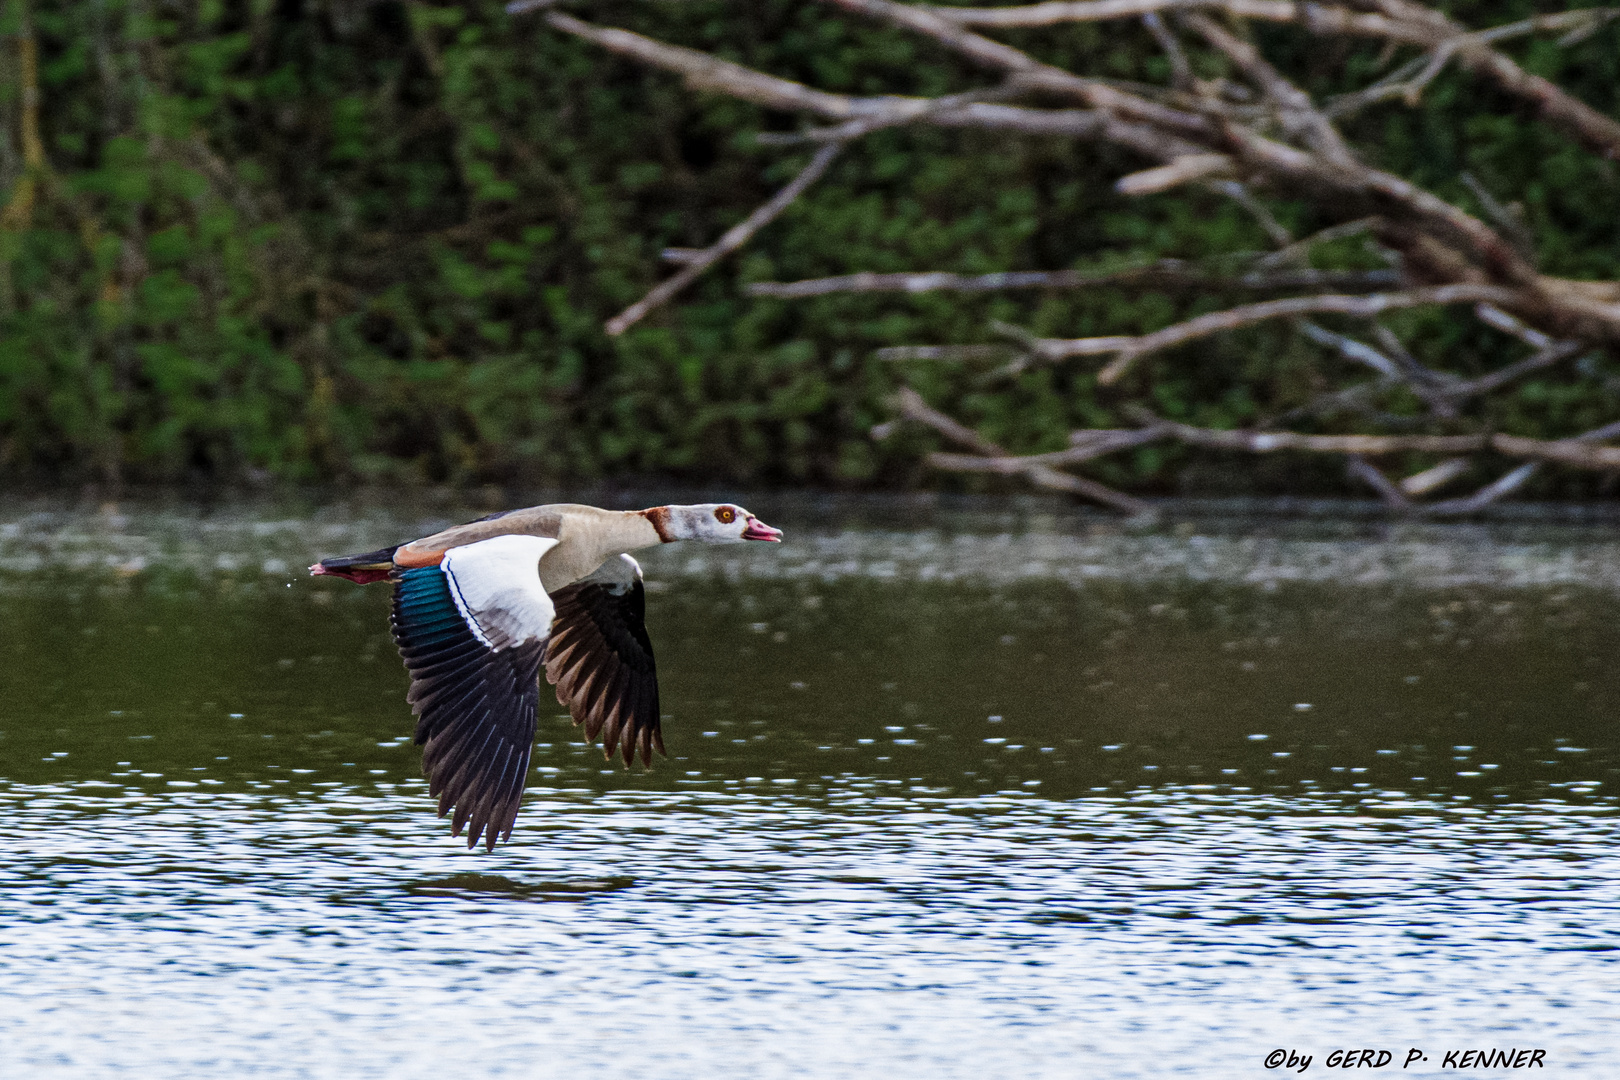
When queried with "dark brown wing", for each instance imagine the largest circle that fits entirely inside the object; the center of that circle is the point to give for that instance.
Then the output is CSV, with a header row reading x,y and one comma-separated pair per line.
x,y
601,660
476,706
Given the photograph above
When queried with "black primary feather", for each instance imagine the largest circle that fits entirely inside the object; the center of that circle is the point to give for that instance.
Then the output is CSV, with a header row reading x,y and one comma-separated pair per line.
x,y
476,707
601,661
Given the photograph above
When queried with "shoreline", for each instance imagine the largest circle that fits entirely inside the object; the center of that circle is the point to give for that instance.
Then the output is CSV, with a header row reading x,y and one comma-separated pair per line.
x,y
983,540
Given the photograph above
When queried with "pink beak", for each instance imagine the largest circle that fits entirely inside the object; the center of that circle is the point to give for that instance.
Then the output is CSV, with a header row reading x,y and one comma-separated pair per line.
x,y
756,529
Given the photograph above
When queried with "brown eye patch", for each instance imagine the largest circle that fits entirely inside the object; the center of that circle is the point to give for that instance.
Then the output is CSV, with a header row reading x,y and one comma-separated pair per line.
x,y
726,515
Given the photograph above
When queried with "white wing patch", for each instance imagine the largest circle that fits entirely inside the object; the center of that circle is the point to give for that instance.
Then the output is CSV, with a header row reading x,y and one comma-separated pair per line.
x,y
496,586
620,574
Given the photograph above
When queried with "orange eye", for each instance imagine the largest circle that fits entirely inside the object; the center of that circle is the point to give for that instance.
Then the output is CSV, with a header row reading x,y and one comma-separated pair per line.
x,y
726,515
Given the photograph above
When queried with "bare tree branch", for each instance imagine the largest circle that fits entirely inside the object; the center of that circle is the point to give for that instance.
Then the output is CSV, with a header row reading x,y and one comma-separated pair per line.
x,y
1359,468
1142,125
734,238
1299,117
1396,20
1265,138
1167,274
1181,170
1270,442
996,56
1498,319
705,72
1275,232
910,405
942,352
1577,452
1342,20
1563,111
1434,477
1181,72
1364,307
1543,358
1497,489
1295,251
1102,443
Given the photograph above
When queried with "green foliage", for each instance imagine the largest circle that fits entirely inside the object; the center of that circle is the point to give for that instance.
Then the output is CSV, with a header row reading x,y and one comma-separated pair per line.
x,y
378,241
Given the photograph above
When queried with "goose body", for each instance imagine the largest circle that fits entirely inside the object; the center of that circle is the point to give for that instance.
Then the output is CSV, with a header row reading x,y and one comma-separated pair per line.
x,y
481,609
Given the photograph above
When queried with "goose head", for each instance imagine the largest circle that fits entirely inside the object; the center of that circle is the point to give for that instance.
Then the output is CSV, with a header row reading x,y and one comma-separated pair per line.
x,y
714,523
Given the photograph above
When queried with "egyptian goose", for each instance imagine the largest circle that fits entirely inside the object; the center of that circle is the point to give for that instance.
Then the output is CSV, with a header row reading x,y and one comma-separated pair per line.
x,y
480,608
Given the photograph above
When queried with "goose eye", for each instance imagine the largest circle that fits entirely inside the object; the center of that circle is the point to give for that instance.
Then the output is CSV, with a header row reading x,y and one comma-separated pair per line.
x,y
726,515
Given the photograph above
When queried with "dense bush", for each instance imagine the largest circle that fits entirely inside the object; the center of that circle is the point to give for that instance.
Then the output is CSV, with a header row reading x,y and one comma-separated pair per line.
x,y
377,240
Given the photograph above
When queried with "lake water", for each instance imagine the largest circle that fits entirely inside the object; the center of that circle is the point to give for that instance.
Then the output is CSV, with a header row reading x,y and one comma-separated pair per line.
x,y
983,790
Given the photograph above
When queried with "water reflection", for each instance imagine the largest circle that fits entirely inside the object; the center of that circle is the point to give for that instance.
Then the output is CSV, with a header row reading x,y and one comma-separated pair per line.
x,y
967,828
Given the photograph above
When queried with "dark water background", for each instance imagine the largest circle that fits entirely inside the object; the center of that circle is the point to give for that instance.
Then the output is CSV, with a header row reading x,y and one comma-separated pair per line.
x,y
985,792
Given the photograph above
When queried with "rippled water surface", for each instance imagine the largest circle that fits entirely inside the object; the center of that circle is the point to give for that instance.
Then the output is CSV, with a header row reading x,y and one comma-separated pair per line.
x,y
974,793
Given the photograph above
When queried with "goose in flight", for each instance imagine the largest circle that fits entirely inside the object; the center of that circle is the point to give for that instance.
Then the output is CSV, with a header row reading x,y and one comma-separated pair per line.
x,y
480,609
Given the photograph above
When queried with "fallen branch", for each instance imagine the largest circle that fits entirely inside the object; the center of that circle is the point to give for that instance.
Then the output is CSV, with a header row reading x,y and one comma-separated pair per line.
x,y
705,72
1060,11
1580,451
1271,442
1106,442
1434,477
1266,138
1446,471
950,353
1396,21
910,406
1155,130
1472,504
734,238
1181,170
1364,307
1299,117
1360,468
1168,274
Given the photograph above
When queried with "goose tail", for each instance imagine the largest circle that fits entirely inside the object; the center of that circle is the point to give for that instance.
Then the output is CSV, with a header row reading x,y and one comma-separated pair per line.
x,y
363,569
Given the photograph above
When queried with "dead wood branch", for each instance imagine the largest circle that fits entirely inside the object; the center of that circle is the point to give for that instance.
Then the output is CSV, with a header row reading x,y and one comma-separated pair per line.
x,y
943,352
1434,477
1399,21
1439,389
1147,127
1071,11
1181,72
1299,118
1498,319
1497,489
1580,451
1271,442
705,72
1099,444
1241,195
1543,358
1292,252
1255,142
1359,468
1166,274
1364,307
910,406
734,238
1096,93
1181,170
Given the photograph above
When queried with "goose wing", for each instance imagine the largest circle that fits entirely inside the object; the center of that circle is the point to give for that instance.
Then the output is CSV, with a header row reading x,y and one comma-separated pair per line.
x,y
472,631
601,660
